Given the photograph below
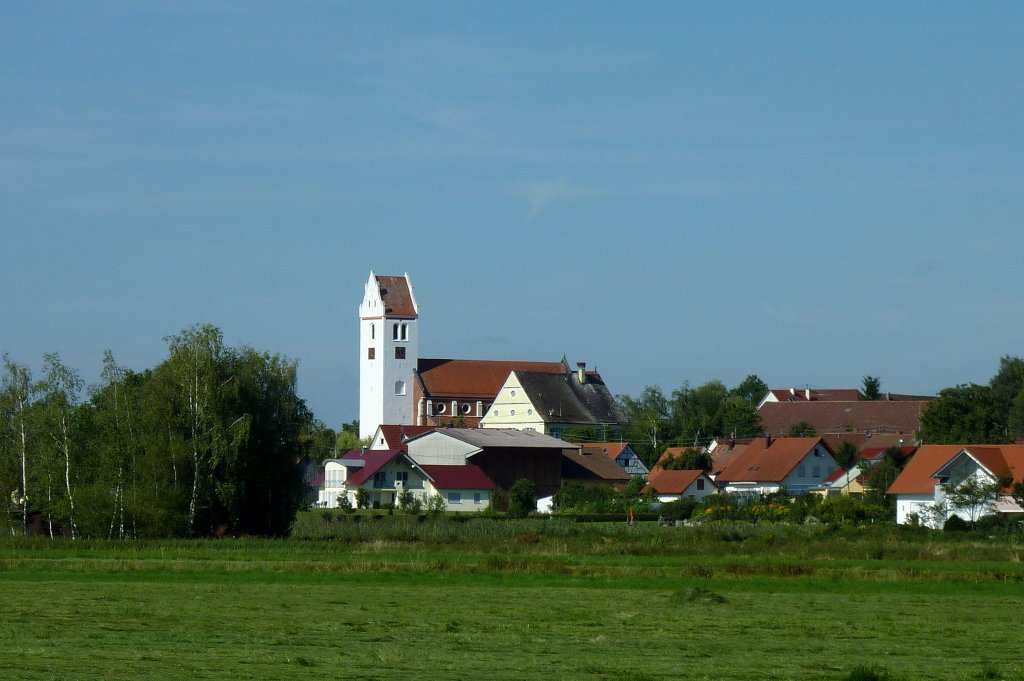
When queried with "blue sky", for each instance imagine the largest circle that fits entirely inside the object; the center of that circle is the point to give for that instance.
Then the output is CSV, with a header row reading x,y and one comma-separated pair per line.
x,y
669,191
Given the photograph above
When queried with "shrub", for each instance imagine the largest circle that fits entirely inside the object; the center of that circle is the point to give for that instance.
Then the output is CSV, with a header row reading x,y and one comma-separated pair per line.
x,y
436,505
680,509
955,524
522,498
362,498
409,502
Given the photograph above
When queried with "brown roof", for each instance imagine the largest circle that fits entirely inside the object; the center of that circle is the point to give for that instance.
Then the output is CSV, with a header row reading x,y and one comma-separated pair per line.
x,y
396,435
843,417
917,477
817,395
725,452
864,441
474,378
609,449
396,295
763,461
673,453
672,482
591,465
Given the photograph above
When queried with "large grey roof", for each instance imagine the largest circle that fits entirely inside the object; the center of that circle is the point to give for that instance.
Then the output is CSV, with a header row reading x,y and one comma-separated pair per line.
x,y
503,437
561,398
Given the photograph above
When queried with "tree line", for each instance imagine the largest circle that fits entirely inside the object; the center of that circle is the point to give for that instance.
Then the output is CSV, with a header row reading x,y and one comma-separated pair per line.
x,y
206,442
691,417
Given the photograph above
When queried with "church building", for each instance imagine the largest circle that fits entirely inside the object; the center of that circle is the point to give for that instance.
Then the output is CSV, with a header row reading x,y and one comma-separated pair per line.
x,y
397,386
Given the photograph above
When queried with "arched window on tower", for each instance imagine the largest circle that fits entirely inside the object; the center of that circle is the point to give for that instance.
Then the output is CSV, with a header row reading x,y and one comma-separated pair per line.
x,y
373,331
399,387
394,332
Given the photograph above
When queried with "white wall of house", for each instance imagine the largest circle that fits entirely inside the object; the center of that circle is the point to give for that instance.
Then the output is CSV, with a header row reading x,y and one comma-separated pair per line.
x,y
631,463
436,448
334,484
463,499
693,491
908,505
935,509
512,409
751,487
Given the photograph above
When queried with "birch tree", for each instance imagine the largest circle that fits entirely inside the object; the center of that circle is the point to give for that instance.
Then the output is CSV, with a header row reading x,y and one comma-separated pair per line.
x,y
62,389
17,393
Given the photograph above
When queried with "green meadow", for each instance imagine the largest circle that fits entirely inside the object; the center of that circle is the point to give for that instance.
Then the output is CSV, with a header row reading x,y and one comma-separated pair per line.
x,y
401,598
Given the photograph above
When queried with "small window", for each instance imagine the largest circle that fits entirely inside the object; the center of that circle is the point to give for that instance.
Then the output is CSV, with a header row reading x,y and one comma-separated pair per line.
x,y
440,408
405,332
454,497
496,412
529,412
394,332
400,352
512,412
402,476
466,408
399,387
476,497
373,331
371,353
513,393
700,484
816,472
801,471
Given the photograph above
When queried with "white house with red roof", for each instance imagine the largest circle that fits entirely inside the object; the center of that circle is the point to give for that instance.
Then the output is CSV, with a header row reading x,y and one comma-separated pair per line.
x,y
680,484
924,491
385,474
768,465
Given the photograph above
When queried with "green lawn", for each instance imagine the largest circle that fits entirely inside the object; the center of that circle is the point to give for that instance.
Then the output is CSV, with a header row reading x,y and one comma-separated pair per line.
x,y
513,603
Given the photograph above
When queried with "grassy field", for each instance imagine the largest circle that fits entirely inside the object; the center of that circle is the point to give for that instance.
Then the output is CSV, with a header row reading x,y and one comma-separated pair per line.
x,y
395,599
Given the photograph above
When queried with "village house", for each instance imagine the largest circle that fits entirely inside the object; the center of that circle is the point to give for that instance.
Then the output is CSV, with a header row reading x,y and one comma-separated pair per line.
x,y
622,453
679,484
385,474
768,465
925,490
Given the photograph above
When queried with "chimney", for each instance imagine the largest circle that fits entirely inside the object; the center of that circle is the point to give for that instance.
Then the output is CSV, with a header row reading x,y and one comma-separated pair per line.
x,y
581,372
792,392
807,394
767,440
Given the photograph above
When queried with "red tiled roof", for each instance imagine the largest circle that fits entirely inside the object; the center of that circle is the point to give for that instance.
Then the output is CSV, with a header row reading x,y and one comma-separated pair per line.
x,y
843,417
395,435
875,453
673,453
817,395
375,460
764,462
918,476
396,295
609,449
672,482
474,378
458,477
725,452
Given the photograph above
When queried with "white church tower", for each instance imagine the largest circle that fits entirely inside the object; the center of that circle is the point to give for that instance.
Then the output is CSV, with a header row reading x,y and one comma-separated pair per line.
x,y
389,349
